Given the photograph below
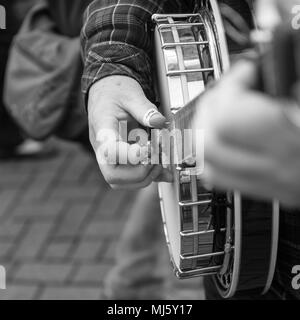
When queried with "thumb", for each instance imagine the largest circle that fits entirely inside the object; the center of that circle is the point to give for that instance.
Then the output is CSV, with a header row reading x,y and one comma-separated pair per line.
x,y
145,112
267,14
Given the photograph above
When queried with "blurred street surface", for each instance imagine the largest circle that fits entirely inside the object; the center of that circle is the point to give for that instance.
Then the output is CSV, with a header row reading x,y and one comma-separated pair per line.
x,y
59,225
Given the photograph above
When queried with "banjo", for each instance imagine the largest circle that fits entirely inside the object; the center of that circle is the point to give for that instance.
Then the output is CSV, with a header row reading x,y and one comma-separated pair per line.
x,y
224,235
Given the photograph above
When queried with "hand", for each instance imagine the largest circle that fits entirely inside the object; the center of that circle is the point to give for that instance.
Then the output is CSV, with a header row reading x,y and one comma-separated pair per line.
x,y
118,99
249,143
270,13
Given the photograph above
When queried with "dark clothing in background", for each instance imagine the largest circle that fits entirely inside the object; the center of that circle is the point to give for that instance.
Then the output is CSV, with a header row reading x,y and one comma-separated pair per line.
x,y
9,132
10,135
42,89
68,15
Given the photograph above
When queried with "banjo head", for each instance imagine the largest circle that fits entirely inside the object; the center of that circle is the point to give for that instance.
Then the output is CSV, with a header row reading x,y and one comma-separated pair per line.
x,y
188,57
204,228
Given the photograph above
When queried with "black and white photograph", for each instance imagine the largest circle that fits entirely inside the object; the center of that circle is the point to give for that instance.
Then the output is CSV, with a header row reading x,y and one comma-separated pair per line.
x,y
150,151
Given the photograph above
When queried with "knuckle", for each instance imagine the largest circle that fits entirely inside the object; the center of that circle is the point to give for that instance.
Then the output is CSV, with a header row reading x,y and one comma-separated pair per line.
x,y
112,181
140,176
139,179
146,184
110,178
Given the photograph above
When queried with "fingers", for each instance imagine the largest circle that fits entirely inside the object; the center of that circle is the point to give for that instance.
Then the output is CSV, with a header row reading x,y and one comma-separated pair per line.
x,y
165,176
125,175
243,75
155,174
237,162
106,138
121,153
121,167
225,181
234,168
118,151
252,129
268,15
112,100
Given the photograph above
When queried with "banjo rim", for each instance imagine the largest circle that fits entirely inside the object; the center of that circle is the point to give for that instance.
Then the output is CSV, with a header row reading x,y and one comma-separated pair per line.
x,y
222,47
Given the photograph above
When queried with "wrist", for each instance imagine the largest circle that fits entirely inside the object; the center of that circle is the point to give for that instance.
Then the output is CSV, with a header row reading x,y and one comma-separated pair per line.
x,y
107,86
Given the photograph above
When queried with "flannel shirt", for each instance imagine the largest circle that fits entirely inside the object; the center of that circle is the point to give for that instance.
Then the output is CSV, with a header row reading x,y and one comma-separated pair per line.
x,y
116,37
116,40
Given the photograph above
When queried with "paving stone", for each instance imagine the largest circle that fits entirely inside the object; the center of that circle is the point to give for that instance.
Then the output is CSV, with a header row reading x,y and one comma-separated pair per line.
x,y
34,194
10,229
8,199
72,293
103,229
5,248
33,240
39,185
73,217
47,209
108,254
14,178
91,274
75,193
43,273
8,167
58,251
59,227
19,292
76,168
88,250
115,204
186,294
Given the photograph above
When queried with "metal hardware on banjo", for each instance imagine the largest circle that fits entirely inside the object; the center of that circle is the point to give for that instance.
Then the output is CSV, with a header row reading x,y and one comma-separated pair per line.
x,y
209,233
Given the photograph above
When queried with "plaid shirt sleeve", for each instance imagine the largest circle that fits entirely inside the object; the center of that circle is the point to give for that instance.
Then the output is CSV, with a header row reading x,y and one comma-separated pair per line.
x,y
116,40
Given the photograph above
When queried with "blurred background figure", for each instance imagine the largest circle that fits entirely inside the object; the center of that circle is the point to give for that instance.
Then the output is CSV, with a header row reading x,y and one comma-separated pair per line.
x,y
13,142
42,84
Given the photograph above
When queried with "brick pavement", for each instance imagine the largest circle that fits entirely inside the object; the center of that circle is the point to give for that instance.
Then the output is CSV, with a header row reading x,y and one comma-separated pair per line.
x,y
58,228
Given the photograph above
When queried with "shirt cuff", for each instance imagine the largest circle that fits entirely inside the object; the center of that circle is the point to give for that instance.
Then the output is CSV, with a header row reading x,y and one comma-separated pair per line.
x,y
117,59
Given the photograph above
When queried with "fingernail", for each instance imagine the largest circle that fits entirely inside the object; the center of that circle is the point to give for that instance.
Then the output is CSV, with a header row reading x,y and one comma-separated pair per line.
x,y
98,137
158,121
